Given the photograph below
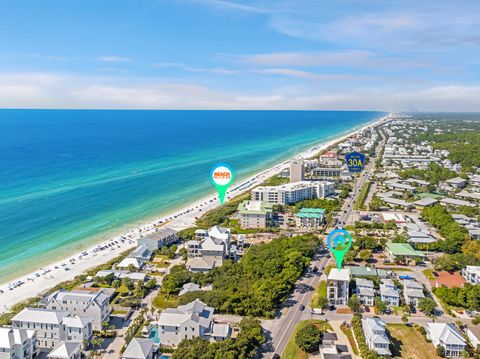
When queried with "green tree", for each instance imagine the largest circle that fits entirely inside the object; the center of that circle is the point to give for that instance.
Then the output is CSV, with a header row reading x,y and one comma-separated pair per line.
x,y
380,305
441,351
404,319
354,303
151,283
365,254
308,338
427,305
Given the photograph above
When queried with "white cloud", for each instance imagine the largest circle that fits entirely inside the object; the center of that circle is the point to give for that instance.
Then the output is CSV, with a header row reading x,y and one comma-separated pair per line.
x,y
44,90
114,59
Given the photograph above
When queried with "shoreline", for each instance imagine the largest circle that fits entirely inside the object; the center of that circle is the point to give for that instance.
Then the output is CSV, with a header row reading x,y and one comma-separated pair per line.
x,y
36,282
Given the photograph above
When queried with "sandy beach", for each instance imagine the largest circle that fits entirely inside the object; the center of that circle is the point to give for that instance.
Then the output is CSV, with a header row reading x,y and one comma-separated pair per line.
x,y
42,279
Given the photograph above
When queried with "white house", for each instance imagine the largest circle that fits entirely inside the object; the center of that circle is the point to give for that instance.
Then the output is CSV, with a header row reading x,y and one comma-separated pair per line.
x,y
189,321
66,350
337,286
389,293
447,336
412,292
376,336
471,274
52,326
139,348
210,249
473,334
86,303
365,291
18,343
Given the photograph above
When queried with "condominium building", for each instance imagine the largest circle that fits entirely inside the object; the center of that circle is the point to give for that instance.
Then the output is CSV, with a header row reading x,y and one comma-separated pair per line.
x,y
297,170
337,286
471,274
310,217
292,193
91,303
326,172
255,214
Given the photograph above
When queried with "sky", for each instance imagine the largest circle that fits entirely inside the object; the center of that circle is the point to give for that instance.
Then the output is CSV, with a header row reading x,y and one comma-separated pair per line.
x,y
221,54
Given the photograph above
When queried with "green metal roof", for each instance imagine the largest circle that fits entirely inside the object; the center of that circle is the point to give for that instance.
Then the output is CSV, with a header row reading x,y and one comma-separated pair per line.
x,y
403,249
254,207
311,213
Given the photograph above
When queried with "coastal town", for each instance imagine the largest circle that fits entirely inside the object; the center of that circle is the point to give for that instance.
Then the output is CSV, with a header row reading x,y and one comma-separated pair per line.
x,y
254,278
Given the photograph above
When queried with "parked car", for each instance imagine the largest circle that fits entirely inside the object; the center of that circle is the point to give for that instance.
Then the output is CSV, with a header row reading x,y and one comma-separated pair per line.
x,y
301,307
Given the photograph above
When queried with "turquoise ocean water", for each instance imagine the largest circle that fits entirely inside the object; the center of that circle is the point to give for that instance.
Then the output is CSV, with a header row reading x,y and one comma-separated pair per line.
x,y
70,178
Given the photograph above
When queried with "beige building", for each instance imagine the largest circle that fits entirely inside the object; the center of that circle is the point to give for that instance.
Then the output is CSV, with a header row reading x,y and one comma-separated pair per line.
x,y
297,171
255,214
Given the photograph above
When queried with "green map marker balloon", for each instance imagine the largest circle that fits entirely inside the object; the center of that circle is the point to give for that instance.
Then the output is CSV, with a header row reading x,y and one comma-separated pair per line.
x,y
339,241
222,176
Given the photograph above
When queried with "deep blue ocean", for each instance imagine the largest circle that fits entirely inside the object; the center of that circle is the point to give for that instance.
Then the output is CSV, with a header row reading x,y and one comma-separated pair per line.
x,y
69,177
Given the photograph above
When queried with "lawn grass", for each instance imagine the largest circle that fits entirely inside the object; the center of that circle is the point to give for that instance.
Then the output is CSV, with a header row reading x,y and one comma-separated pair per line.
x,y
429,274
161,301
292,351
409,343
122,289
320,292
348,332
328,268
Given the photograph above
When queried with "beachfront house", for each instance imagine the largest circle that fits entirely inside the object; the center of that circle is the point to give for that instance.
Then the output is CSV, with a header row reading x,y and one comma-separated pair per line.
x,y
66,350
162,237
18,343
53,326
142,253
255,214
210,249
139,348
90,303
447,336
376,336
192,320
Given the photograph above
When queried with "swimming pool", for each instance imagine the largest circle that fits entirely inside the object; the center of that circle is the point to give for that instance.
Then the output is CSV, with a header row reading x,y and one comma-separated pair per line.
x,y
154,335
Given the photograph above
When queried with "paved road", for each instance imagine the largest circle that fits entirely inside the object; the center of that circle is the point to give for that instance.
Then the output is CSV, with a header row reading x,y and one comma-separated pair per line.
x,y
281,328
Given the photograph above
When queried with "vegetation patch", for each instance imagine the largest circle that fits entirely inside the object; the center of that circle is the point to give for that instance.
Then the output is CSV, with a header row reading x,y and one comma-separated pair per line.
x,y
408,343
292,350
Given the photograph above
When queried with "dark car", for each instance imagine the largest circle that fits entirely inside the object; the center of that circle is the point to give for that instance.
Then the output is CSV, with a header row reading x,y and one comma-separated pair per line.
x,y
276,356
301,307
315,269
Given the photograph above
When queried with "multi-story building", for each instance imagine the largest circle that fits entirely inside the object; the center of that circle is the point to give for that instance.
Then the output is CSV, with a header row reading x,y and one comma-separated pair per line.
x,y
189,321
337,286
292,193
310,217
389,293
91,303
18,343
255,214
163,237
376,336
471,274
412,292
210,249
297,170
447,336
365,291
53,326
